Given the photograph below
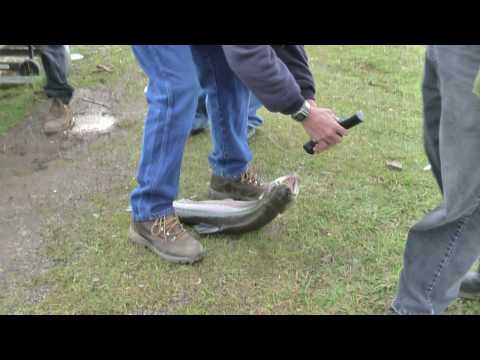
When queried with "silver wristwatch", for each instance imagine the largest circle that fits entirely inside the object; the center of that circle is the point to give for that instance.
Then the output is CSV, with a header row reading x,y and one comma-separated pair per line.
x,y
303,113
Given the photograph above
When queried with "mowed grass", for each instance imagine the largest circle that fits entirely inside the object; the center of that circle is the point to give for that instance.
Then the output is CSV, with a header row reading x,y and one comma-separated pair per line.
x,y
15,102
338,250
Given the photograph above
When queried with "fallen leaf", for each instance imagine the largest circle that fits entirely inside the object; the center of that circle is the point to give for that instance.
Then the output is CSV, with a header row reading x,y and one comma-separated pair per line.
x,y
394,165
104,68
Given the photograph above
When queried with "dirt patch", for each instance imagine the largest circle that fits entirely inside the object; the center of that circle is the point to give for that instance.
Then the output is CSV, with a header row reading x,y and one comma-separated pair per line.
x,y
25,149
46,177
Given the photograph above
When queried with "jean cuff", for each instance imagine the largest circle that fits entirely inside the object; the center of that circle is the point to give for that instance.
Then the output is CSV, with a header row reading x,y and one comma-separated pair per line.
x,y
231,174
165,212
395,307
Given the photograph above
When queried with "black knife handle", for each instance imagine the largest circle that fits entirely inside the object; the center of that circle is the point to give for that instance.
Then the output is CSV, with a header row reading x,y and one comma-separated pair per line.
x,y
347,124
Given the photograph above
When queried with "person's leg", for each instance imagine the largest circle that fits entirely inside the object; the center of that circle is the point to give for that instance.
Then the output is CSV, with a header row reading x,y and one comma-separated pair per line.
x,y
60,116
172,97
254,120
55,65
201,117
227,105
432,110
444,245
201,121
172,100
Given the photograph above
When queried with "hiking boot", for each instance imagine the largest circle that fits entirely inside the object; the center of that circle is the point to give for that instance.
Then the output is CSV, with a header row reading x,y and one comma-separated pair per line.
x,y
246,187
470,288
59,118
167,238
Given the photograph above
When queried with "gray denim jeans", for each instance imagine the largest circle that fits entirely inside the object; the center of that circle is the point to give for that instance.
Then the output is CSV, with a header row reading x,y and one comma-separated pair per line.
x,y
444,245
55,65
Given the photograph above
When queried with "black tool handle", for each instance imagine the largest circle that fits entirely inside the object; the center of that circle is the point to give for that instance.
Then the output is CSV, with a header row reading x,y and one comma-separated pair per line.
x,y
347,124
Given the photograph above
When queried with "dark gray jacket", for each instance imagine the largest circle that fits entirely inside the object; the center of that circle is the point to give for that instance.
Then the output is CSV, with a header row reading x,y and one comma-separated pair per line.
x,y
278,75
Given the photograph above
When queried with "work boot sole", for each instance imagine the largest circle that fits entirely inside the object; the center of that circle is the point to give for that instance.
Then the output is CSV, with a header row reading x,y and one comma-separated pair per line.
x,y
140,240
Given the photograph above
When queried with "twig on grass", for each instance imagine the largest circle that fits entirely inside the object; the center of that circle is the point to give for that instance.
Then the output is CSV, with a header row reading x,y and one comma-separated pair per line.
x,y
94,102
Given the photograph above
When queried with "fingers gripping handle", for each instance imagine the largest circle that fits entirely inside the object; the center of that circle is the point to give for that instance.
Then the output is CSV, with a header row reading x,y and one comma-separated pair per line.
x,y
347,124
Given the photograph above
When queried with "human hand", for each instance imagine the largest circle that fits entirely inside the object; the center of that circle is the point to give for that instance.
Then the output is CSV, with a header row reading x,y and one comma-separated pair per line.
x,y
323,128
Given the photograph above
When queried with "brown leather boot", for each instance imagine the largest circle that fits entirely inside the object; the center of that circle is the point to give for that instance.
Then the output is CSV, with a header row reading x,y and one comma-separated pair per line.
x,y
246,187
59,118
167,238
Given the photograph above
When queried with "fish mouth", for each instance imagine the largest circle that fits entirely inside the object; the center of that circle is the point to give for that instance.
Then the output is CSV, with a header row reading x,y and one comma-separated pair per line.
x,y
291,182
237,217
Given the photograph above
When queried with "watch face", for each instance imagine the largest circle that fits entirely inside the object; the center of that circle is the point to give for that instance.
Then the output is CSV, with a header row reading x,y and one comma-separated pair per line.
x,y
301,117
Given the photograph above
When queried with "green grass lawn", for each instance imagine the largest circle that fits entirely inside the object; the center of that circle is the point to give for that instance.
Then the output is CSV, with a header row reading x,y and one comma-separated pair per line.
x,y
338,250
15,102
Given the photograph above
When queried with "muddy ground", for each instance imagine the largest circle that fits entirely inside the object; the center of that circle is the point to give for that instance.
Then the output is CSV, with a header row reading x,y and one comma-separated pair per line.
x,y
43,178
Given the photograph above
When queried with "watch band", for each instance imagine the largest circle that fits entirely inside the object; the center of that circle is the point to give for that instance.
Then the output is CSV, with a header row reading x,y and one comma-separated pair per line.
x,y
303,113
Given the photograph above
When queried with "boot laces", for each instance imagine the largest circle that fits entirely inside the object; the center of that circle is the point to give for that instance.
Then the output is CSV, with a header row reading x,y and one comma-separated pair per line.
x,y
250,178
167,228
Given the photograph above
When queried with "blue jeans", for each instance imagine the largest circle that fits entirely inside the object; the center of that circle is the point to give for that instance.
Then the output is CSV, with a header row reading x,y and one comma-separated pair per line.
x,y
174,72
201,118
254,120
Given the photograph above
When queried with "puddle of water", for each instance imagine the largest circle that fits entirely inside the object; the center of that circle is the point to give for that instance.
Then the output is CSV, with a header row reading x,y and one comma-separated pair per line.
x,y
93,123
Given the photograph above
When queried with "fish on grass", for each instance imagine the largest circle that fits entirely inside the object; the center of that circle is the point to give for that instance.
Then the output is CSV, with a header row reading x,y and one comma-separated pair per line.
x,y
238,217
